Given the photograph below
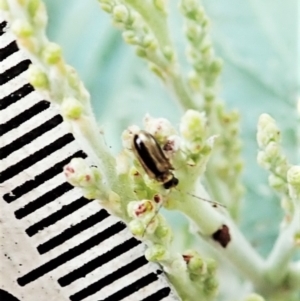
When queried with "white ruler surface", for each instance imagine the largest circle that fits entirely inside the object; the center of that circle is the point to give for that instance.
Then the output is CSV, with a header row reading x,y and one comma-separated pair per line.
x,y
55,244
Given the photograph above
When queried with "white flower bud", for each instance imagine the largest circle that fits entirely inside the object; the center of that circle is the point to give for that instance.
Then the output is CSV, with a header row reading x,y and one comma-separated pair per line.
x,y
37,77
262,160
160,128
127,136
120,13
254,297
141,209
22,28
172,145
52,53
136,227
293,178
160,5
79,174
272,150
71,108
130,37
193,125
156,253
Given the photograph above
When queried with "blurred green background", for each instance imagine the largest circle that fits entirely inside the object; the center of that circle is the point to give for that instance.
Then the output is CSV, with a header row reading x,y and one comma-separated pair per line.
x,y
257,41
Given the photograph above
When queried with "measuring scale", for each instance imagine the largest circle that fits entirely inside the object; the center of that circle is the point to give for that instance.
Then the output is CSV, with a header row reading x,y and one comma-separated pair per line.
x,y
55,244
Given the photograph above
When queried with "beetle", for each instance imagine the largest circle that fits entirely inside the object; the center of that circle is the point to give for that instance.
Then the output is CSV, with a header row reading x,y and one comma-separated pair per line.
x,y
153,160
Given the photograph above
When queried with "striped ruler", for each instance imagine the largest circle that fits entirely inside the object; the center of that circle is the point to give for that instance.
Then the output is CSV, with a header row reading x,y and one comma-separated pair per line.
x,y
55,244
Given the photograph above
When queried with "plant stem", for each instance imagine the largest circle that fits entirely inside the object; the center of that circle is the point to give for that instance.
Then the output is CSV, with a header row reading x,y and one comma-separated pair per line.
x,y
284,248
155,19
293,278
238,251
157,22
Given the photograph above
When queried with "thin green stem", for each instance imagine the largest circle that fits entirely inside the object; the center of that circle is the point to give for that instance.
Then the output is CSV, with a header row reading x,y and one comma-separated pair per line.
x,y
155,19
157,22
283,250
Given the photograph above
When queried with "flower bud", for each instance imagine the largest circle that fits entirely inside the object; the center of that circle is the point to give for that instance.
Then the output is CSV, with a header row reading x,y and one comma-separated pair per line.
x,y
141,209
37,77
71,108
120,13
40,17
79,174
160,128
254,297
211,266
22,28
194,262
277,183
193,31
193,125
156,253
210,286
168,53
216,66
32,7
293,178
136,227
160,5
267,130
172,145
156,70
141,52
128,134
149,42
52,53
130,37
106,7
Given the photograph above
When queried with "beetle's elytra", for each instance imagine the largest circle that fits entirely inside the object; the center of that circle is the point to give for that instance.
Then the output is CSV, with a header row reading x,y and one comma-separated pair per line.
x,y
153,160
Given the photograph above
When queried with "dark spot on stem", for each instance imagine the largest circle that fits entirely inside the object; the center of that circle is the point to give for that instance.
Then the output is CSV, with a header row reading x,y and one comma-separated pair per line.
x,y
222,236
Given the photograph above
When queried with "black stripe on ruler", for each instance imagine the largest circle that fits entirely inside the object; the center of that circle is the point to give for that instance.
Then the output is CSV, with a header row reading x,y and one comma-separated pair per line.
x,y
72,231
8,50
98,261
13,170
43,200
30,136
24,116
14,71
41,178
132,288
3,26
70,254
162,293
100,284
56,216
15,96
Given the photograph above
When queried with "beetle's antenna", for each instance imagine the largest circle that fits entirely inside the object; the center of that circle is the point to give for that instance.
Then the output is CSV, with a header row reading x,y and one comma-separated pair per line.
x,y
206,200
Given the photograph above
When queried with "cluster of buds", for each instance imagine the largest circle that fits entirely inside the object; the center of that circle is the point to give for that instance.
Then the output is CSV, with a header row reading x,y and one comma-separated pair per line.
x,y
148,223
188,151
200,53
50,74
140,31
79,174
271,156
135,31
198,273
202,270
88,178
195,144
